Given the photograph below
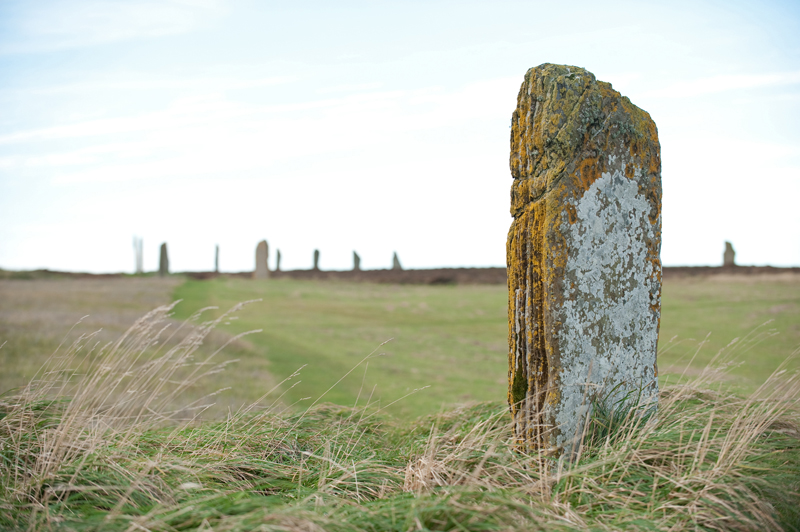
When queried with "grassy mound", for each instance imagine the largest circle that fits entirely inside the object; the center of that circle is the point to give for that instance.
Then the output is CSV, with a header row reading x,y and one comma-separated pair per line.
x,y
97,443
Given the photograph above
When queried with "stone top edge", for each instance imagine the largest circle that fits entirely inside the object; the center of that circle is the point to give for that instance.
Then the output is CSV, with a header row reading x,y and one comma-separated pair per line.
x,y
555,71
560,111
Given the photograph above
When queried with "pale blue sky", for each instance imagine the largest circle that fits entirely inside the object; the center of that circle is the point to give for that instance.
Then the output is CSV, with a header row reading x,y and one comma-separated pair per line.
x,y
370,126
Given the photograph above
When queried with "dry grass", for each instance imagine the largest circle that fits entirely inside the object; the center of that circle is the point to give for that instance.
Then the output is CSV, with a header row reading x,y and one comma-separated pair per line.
x,y
101,393
690,467
35,316
96,442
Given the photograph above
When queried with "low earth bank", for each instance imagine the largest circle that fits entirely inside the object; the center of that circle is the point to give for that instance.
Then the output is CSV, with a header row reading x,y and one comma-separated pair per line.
x,y
431,276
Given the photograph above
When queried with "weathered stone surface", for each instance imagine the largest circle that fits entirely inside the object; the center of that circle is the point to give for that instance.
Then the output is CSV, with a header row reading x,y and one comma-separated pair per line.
x,y
583,253
729,256
278,260
356,262
262,255
163,262
316,260
396,262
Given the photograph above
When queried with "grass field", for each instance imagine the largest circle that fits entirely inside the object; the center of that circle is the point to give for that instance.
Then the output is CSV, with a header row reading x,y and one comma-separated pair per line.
x,y
453,338
762,311
76,456
449,338
37,315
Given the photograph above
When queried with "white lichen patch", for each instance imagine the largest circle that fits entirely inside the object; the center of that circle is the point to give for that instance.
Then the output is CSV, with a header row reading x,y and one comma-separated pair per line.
x,y
609,317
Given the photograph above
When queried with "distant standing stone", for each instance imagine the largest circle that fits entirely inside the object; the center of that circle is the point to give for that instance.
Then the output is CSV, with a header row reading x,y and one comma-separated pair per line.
x,y
216,259
316,259
163,263
356,262
583,254
278,260
262,255
137,250
396,262
728,258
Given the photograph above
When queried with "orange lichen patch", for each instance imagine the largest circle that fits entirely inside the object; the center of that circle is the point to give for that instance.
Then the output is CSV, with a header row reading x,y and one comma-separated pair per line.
x,y
587,172
568,132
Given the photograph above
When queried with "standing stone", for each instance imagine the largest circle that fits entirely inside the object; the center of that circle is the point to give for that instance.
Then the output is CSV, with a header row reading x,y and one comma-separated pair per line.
x,y
396,262
278,260
356,262
137,251
262,255
216,259
163,263
728,258
316,260
583,253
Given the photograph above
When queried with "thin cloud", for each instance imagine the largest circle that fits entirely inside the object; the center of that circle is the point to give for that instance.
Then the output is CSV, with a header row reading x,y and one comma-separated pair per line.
x,y
55,25
351,88
418,109
725,83
208,84
211,134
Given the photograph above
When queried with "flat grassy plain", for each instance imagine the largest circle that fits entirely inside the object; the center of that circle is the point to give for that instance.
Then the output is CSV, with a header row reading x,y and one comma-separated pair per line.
x,y
762,311
452,339
75,457
39,314
36,315
449,340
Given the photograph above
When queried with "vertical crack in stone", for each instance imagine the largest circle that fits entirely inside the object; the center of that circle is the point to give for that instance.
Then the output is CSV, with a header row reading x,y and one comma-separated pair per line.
x,y
538,361
529,373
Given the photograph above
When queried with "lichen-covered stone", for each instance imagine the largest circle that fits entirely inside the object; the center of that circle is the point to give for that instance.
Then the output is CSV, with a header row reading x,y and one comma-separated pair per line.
x,y
163,262
729,256
262,255
583,253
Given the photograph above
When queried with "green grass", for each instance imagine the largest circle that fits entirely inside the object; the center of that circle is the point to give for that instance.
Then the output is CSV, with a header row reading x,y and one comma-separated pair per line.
x,y
38,314
449,338
96,442
332,470
453,338
719,309
76,456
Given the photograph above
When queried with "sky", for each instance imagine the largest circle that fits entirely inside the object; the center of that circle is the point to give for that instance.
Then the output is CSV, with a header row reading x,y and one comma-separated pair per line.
x,y
370,126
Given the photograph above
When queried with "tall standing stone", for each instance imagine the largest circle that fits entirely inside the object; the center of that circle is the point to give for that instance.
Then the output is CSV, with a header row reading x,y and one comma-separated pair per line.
x,y
137,251
396,262
316,260
583,253
262,255
278,260
216,259
163,263
729,256
356,262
